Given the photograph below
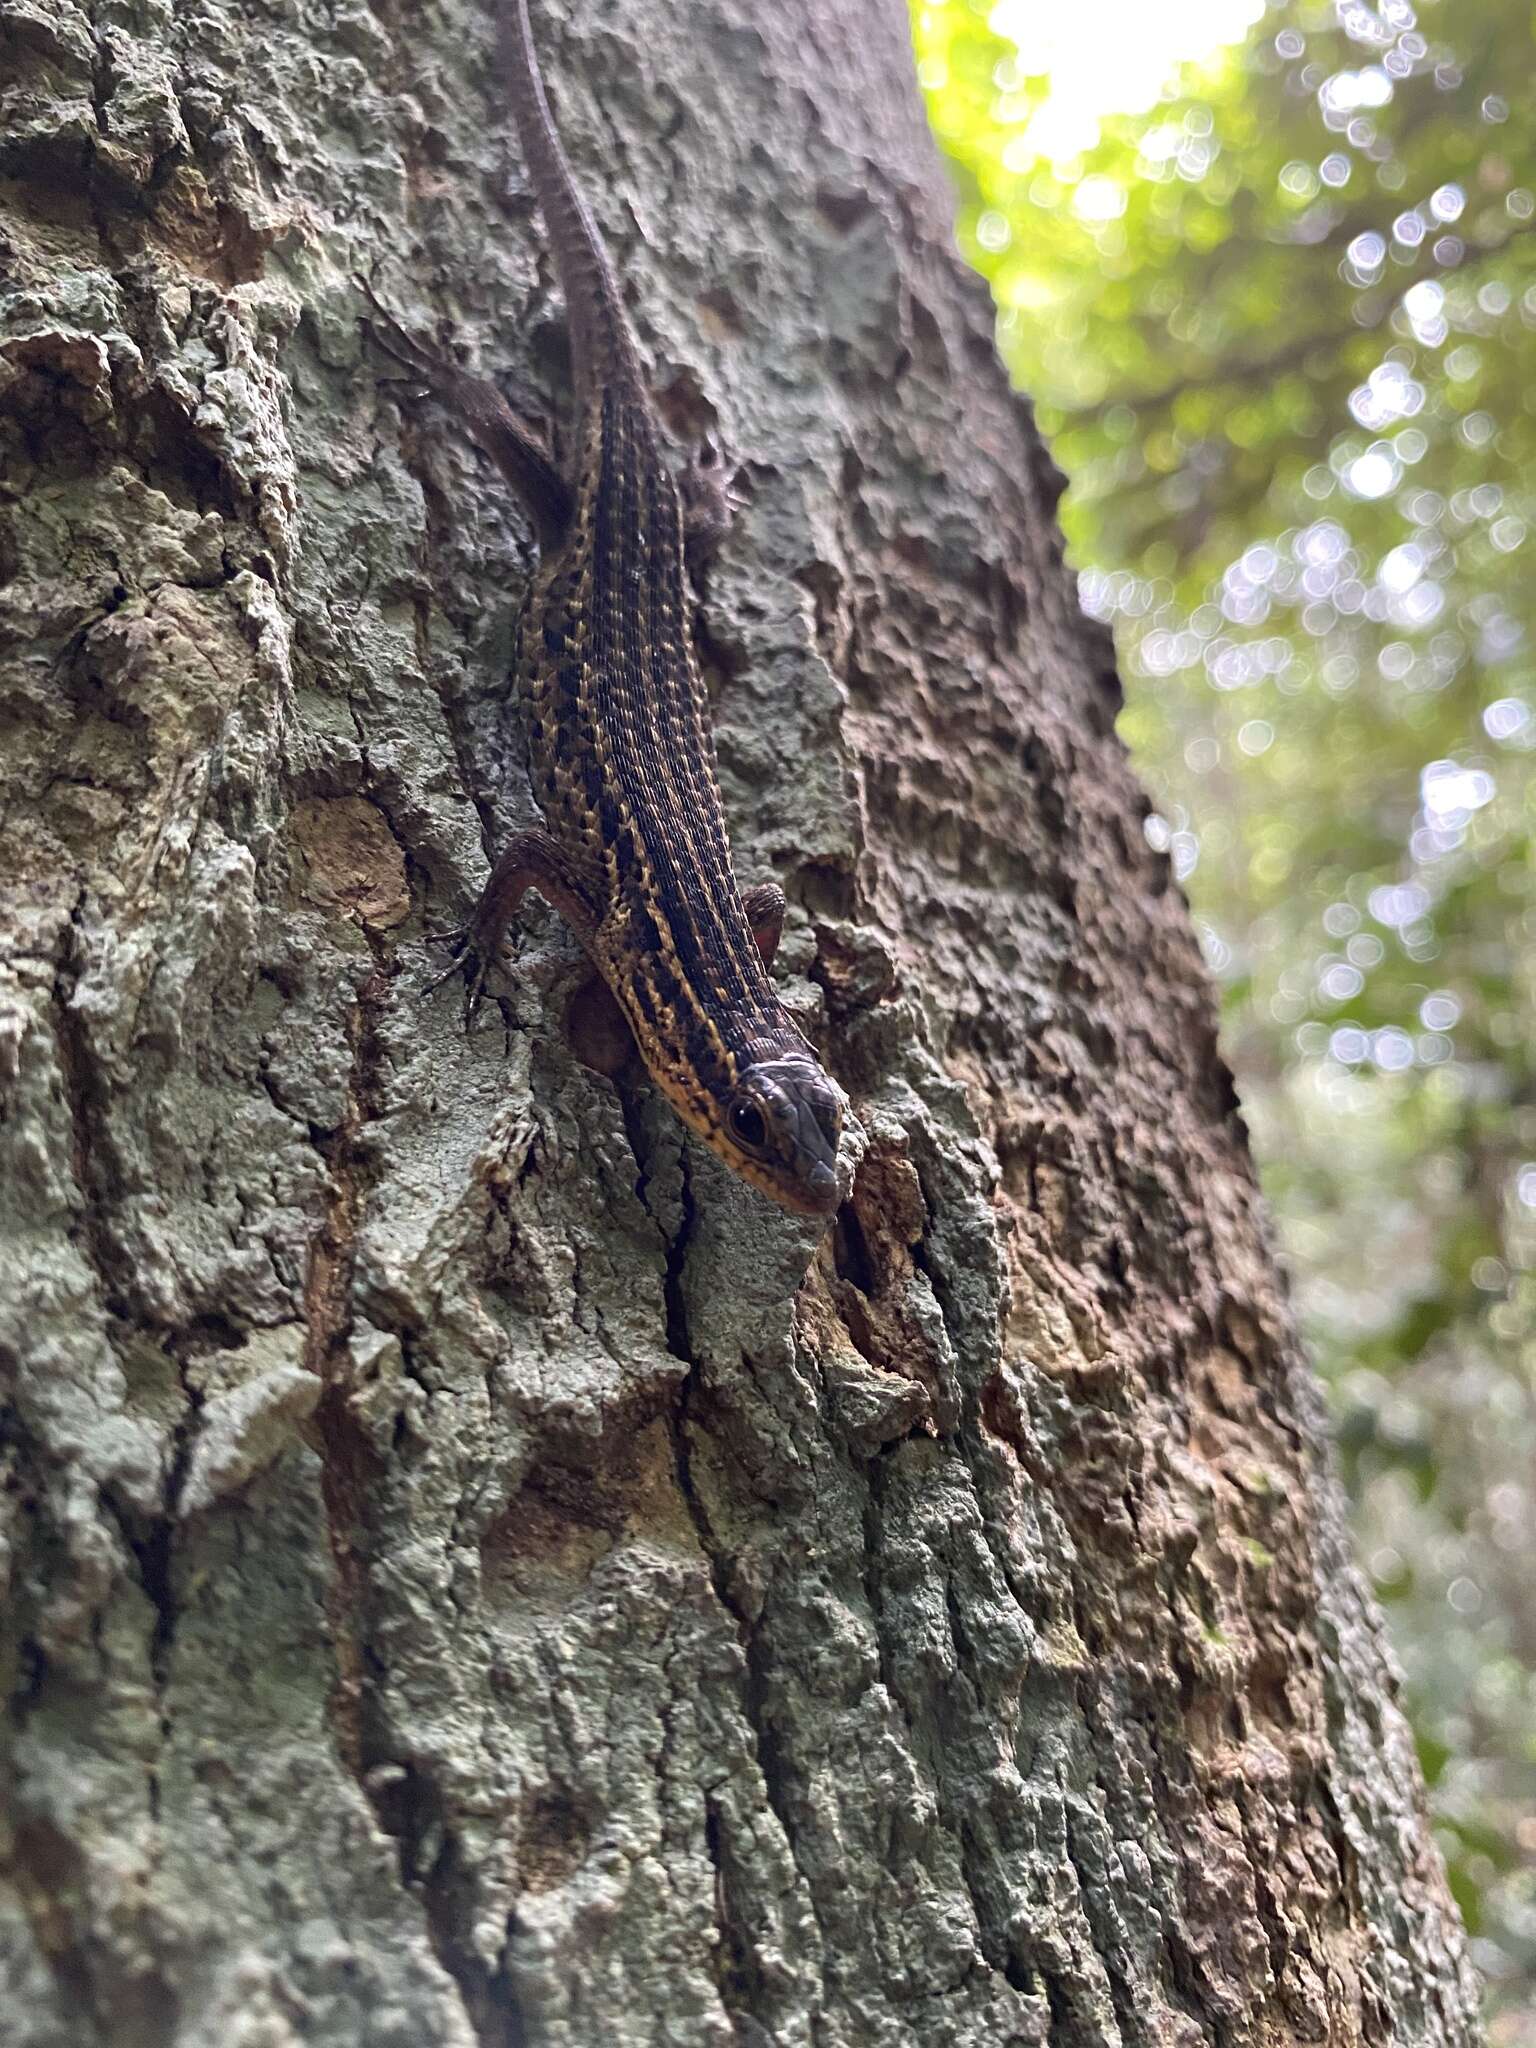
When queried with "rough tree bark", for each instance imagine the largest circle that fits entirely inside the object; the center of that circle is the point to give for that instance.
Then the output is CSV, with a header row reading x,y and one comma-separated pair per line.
x,y
467,1583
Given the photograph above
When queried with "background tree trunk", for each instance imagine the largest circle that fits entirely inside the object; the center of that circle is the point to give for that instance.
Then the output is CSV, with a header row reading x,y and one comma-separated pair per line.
x,y
462,1587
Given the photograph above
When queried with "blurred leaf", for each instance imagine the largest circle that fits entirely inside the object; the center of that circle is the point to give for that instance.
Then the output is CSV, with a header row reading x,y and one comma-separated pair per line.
x,y
1281,329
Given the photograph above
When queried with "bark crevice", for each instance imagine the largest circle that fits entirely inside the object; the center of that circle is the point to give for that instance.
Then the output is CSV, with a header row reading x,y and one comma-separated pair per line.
x,y
469,1581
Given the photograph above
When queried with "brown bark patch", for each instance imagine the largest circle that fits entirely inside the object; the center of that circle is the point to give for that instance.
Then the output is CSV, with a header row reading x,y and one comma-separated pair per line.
x,y
352,860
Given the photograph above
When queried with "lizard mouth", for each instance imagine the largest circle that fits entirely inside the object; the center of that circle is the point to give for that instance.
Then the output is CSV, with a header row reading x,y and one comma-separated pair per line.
x,y
821,1186
784,1122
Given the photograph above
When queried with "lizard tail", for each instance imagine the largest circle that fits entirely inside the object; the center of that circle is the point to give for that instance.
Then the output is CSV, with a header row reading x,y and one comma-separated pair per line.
x,y
602,347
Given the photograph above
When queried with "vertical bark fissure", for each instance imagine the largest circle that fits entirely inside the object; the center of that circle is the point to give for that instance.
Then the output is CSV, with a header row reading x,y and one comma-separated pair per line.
x,y
348,1463
689,1415
404,1799
84,1096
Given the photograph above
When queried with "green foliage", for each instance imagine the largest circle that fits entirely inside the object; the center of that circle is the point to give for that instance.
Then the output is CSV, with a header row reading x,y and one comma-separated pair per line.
x,y
1281,331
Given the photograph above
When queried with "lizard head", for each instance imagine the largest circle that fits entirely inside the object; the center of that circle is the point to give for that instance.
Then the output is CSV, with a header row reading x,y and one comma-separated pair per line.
x,y
781,1128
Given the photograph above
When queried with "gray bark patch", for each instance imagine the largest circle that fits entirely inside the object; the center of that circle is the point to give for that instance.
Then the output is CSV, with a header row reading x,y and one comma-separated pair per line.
x,y
476,1574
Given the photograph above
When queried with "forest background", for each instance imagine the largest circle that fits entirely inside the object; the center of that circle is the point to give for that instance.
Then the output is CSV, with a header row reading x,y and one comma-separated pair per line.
x,y
1280,326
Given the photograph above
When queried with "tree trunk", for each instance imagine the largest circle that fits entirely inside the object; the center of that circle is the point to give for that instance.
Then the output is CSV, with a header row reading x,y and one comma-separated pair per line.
x,y
468,1582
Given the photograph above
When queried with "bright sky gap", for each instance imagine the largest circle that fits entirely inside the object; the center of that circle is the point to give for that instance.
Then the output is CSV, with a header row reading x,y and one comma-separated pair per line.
x,y
1110,57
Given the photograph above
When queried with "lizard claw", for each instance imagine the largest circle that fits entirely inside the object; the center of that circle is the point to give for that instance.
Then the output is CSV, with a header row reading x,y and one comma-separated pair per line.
x,y
426,368
411,389
464,958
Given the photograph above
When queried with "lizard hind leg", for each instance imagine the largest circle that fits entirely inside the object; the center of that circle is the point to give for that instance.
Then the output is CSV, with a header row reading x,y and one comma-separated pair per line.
x,y
518,449
531,860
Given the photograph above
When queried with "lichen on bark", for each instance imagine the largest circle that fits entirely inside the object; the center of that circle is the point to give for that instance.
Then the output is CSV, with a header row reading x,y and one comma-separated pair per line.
x,y
475,1573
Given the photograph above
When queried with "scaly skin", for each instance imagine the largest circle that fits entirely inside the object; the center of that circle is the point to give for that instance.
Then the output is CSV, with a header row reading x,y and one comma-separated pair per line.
x,y
634,851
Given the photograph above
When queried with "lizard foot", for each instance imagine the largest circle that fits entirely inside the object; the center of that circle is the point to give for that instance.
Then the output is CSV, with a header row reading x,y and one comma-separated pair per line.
x,y
466,958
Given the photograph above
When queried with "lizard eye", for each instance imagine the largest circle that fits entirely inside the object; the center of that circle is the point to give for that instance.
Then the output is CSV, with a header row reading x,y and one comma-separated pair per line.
x,y
747,1126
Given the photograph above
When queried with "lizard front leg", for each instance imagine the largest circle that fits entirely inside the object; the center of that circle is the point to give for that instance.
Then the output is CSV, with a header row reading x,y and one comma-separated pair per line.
x,y
764,906
532,860
704,491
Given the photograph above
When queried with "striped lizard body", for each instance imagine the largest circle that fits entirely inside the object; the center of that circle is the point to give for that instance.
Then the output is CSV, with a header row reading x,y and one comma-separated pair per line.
x,y
634,850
